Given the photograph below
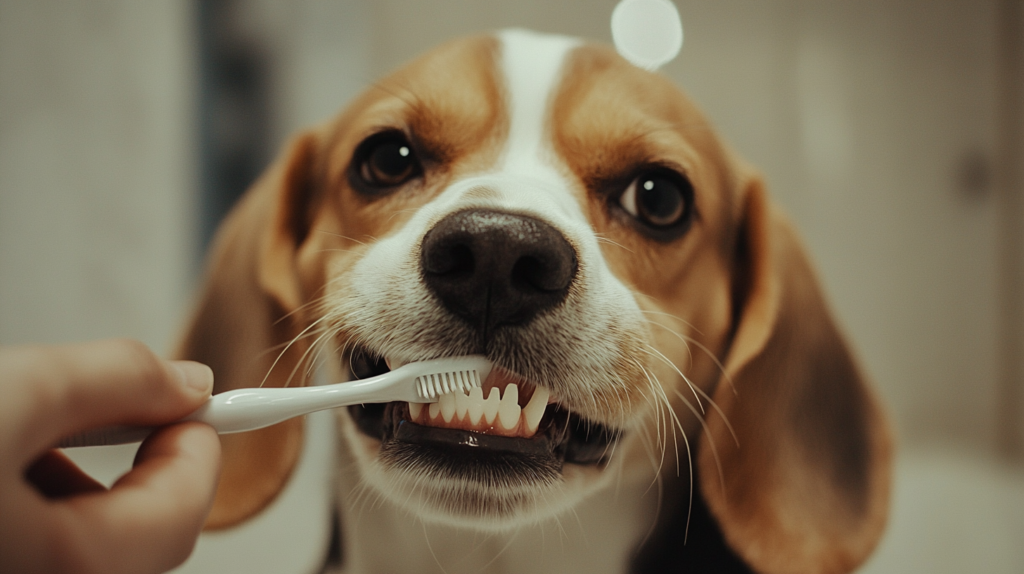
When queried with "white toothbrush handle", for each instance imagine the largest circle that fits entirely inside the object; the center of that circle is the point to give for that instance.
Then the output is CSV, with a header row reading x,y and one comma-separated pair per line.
x,y
250,409
254,408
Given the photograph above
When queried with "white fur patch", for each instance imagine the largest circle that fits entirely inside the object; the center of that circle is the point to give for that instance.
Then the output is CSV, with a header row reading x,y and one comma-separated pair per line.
x,y
532,64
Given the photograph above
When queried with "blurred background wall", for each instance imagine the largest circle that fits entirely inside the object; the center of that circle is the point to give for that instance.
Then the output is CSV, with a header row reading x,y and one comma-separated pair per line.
x,y
882,127
97,178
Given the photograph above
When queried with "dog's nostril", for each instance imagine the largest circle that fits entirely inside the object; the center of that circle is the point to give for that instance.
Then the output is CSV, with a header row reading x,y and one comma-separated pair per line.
x,y
454,259
533,273
495,268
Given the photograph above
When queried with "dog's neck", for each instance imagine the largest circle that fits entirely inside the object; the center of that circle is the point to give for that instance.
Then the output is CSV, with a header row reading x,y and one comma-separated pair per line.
x,y
600,535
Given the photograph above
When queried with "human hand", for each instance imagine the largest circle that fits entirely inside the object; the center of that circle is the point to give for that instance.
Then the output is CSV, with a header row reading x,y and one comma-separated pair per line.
x,y
53,516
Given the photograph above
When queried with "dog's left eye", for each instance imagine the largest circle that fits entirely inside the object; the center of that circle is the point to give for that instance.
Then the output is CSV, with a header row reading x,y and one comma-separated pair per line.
x,y
386,160
659,200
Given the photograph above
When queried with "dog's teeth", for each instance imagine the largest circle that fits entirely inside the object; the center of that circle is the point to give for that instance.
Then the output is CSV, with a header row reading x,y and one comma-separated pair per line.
x,y
534,410
461,404
491,405
476,404
447,402
415,409
434,410
509,410
511,393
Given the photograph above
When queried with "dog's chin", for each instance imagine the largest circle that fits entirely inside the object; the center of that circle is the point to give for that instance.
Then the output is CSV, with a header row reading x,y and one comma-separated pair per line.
x,y
476,479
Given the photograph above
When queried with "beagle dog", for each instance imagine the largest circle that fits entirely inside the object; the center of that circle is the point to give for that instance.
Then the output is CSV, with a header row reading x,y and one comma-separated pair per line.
x,y
670,391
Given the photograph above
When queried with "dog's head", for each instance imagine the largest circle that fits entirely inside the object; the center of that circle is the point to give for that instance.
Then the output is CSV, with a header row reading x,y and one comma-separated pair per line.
x,y
575,219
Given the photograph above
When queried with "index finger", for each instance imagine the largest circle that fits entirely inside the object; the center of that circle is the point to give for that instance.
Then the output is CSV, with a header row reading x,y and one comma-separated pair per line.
x,y
52,392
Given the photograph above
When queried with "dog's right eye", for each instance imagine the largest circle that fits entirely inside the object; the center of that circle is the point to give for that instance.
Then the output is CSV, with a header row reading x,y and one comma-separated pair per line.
x,y
661,200
386,160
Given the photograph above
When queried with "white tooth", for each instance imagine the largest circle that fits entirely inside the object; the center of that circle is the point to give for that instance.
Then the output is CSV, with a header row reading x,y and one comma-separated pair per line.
x,y
476,404
534,410
491,405
447,403
461,405
434,410
508,414
415,409
511,393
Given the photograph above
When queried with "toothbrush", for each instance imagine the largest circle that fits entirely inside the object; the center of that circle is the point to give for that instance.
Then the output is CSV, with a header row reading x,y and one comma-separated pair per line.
x,y
254,408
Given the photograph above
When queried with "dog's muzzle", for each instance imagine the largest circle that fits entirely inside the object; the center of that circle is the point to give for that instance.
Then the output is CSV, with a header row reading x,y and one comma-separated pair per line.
x,y
496,272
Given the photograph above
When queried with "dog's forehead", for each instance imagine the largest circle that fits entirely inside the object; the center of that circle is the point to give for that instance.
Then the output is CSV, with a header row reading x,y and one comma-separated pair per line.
x,y
542,109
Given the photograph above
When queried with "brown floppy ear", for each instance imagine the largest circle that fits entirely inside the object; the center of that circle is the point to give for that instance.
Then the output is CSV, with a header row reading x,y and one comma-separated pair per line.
x,y
243,323
807,487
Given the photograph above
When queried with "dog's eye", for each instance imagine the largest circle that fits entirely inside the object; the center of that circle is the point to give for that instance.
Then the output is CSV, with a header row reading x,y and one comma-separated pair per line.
x,y
386,160
659,199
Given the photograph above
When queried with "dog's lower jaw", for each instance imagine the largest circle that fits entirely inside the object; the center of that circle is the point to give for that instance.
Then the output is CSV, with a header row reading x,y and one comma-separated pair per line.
x,y
483,489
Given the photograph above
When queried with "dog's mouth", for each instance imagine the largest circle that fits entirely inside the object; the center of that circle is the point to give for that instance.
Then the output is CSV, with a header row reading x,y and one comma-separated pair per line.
x,y
506,421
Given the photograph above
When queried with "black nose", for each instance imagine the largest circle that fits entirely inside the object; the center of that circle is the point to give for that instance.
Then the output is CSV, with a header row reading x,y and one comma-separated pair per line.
x,y
494,268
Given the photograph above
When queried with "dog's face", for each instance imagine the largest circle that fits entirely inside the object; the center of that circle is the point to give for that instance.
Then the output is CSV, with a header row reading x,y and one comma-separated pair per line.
x,y
573,218
535,205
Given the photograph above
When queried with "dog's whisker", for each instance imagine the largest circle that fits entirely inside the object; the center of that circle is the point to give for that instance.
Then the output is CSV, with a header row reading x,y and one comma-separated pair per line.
x,y
498,554
664,428
299,364
670,316
649,349
307,332
714,449
605,240
688,340
708,398
287,347
689,453
689,459
722,414
430,547
317,300
673,418
398,212
345,237
661,445
337,250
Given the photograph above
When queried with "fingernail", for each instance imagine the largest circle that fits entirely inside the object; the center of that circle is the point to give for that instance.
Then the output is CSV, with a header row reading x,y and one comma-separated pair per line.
x,y
193,375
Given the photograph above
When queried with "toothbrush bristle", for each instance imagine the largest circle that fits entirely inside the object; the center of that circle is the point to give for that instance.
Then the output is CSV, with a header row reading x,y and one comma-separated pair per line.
x,y
436,384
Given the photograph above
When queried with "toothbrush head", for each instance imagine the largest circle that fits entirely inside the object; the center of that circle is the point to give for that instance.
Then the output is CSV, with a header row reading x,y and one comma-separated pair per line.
x,y
437,377
434,385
